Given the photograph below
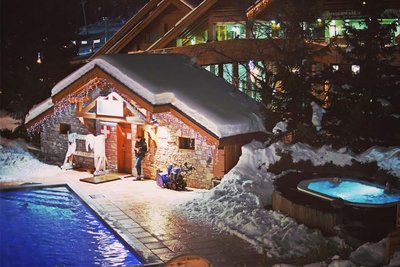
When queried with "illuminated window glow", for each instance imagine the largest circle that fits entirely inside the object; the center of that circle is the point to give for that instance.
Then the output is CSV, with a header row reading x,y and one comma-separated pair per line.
x,y
355,69
228,31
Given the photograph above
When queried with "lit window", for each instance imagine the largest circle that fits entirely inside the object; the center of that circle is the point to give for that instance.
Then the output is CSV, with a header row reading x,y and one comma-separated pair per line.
x,y
186,143
335,68
242,72
228,73
262,29
227,31
355,69
65,128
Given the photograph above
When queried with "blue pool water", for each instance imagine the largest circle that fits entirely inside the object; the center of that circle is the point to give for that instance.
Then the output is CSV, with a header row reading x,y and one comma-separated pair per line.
x,y
351,190
51,227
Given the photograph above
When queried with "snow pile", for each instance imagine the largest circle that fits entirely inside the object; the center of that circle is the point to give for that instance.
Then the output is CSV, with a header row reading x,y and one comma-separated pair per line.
x,y
319,156
16,163
386,158
367,255
280,127
237,206
318,113
7,122
370,254
395,260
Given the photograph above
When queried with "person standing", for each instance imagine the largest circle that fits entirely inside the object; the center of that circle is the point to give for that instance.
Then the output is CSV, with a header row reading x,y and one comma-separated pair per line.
x,y
140,151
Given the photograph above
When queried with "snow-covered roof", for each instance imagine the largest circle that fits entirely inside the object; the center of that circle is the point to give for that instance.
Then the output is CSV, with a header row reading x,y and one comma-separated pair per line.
x,y
175,79
38,109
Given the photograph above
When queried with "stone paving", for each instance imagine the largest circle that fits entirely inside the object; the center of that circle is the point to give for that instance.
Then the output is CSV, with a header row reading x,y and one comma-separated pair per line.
x,y
144,215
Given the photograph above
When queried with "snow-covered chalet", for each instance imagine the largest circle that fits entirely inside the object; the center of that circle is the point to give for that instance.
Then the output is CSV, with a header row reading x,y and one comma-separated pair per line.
x,y
185,114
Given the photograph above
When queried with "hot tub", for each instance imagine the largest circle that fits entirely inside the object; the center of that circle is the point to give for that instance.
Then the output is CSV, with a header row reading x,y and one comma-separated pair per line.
x,y
351,191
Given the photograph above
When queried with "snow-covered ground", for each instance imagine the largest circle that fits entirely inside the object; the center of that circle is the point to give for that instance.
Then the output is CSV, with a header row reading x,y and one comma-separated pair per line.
x,y
237,204
17,164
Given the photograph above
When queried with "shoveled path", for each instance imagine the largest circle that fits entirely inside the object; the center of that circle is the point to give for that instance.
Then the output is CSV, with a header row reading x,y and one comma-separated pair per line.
x,y
145,215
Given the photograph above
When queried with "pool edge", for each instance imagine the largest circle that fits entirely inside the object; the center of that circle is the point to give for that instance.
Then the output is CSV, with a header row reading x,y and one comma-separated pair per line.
x,y
133,244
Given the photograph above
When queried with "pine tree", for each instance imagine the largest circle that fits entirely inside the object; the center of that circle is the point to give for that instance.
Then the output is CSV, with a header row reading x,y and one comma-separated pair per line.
x,y
294,63
364,98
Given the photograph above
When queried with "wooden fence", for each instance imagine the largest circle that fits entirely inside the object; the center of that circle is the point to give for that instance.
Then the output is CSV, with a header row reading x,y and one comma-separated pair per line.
x,y
393,239
307,215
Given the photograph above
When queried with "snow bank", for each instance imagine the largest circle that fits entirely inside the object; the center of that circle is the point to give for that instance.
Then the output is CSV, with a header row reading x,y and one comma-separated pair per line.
x,y
237,204
370,254
7,122
319,156
386,158
395,260
16,163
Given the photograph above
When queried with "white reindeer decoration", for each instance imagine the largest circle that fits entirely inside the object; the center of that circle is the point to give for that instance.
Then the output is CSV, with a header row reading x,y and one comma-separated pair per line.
x,y
98,145
68,162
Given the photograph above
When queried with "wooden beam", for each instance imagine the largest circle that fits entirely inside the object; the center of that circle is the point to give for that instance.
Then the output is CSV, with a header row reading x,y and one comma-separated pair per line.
x,y
257,8
86,115
78,100
243,138
94,116
90,106
121,33
194,15
143,24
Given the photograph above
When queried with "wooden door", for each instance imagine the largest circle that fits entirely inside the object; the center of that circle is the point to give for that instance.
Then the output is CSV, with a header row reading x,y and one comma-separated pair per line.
x,y
124,148
219,162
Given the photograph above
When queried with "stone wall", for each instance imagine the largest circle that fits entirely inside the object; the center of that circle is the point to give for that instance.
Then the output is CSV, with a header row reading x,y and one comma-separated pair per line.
x,y
111,144
164,149
54,144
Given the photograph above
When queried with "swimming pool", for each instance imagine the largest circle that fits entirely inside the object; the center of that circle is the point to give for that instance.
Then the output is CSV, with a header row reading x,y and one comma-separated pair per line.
x,y
352,191
51,227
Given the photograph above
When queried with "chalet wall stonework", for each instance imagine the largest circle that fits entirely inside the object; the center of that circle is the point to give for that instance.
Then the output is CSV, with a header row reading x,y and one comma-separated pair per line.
x,y
163,147
166,150
111,144
54,144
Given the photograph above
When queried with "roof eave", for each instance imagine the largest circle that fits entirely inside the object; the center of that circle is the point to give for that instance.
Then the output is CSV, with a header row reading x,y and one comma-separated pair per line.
x,y
126,28
176,30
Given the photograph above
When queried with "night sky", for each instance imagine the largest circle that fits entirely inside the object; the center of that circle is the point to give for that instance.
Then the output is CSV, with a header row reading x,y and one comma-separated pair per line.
x,y
46,27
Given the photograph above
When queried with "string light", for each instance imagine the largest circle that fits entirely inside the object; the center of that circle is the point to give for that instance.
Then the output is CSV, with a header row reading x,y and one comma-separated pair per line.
x,y
66,104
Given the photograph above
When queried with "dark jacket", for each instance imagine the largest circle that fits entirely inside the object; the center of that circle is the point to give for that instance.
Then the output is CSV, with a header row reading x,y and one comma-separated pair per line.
x,y
140,148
